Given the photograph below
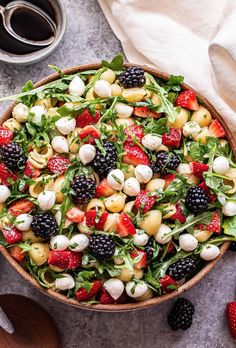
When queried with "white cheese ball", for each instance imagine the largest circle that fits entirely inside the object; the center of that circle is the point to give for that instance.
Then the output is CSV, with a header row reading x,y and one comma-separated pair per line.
x,y
60,144
87,152
20,112
78,242
191,129
136,289
23,222
220,165
115,179
188,242
140,239
161,233
114,287
65,283
123,110
151,141
4,193
229,209
76,86
131,187
46,200
59,242
143,173
66,125
103,89
209,252
184,169
38,112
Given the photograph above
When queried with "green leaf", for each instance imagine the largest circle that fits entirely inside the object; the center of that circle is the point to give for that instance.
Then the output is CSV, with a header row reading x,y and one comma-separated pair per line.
x,y
152,126
58,70
116,64
174,83
229,226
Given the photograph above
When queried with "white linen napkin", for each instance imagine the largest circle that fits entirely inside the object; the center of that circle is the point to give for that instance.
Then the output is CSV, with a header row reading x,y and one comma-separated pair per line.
x,y
196,39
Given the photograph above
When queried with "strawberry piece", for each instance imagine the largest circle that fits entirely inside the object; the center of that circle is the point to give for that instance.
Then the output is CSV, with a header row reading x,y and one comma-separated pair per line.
x,y
187,99
231,316
212,196
134,131
17,253
125,226
144,202
30,171
75,215
65,259
106,298
58,164
213,226
198,168
83,295
60,103
95,220
216,130
168,179
104,190
172,139
6,135
168,284
89,133
135,155
11,234
21,206
179,214
86,118
137,253
144,112
6,176
170,248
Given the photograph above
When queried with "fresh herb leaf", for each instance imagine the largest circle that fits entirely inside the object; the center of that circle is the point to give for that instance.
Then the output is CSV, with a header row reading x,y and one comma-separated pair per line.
x,y
116,64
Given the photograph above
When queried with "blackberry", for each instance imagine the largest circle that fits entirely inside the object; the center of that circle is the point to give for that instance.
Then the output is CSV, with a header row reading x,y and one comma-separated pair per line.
x,y
181,314
196,200
183,269
12,155
164,162
103,164
102,246
149,249
84,189
132,77
232,246
44,225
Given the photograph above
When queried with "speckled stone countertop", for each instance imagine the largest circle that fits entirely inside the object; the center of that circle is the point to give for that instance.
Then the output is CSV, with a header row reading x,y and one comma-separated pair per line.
x,y
88,39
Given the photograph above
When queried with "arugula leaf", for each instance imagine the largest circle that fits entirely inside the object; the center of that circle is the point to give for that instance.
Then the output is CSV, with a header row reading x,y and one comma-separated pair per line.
x,y
152,282
58,70
196,151
116,64
229,226
174,83
28,99
152,126
2,240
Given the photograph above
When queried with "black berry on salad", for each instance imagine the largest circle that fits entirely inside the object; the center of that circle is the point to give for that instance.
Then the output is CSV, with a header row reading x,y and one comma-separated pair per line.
x,y
104,163
84,189
182,269
164,162
44,225
132,77
196,200
181,314
12,155
102,246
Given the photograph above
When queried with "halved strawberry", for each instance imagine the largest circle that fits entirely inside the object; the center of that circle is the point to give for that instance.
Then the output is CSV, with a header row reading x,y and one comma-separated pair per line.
x,y
75,215
179,214
125,226
96,220
60,103
173,138
168,284
187,99
143,111
216,130
231,316
30,171
11,234
65,259
142,255
21,206
17,253
6,176
58,164
144,202
89,133
6,135
135,155
213,226
106,298
168,179
134,131
83,295
86,118
198,168
212,196
104,190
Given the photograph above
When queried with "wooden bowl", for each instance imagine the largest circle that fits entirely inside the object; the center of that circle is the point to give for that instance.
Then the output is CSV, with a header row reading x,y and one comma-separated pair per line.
x,y
136,305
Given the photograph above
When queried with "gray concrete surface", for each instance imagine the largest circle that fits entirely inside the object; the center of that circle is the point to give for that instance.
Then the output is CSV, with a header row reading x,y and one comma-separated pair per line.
x,y
89,38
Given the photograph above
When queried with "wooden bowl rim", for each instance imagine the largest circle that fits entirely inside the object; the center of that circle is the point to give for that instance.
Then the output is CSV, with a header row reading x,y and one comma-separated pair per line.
x,y
136,305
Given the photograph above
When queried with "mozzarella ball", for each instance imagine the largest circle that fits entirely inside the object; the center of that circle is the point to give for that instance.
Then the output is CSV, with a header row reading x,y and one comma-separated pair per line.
x,y
87,152
115,179
59,242
123,110
79,242
229,209
20,112
209,252
23,222
143,173
59,144
38,112
103,89
191,129
161,233
135,289
131,187
46,200
66,125
76,86
188,242
151,141
184,169
65,282
114,287
140,239
220,165
4,193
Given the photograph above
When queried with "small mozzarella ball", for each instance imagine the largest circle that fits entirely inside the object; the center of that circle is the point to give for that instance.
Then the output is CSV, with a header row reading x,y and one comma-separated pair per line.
x,y
209,252
220,165
59,242
135,289
46,200
143,173
66,125
79,242
123,110
87,152
131,187
76,86
4,193
161,233
114,287
140,239
184,169
191,129
187,242
38,112
65,282
59,144
151,142
23,222
20,112
103,89
115,179
229,209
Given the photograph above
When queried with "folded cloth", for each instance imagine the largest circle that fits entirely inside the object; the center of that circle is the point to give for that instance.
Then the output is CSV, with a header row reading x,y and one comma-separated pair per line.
x,y
196,39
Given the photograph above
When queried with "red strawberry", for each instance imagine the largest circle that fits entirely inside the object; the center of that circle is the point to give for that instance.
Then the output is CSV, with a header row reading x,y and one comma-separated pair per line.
x,y
136,132
172,139
95,220
168,179
213,226
30,171
106,298
21,206
212,196
231,316
75,215
65,259
179,214
143,111
142,263
88,133
125,226
170,248
83,295
135,155
198,168
168,284
6,176
86,118
144,202
6,135
104,190
216,130
58,164
187,99
11,234
17,253
60,103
